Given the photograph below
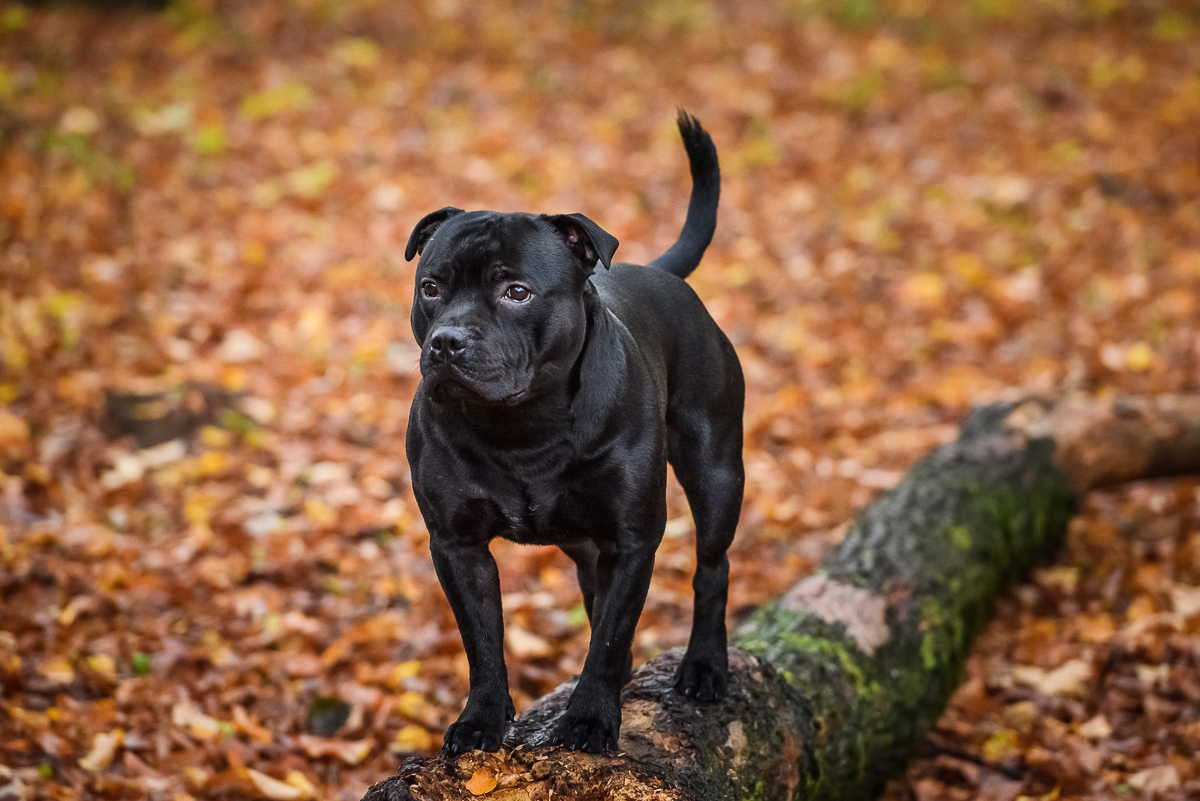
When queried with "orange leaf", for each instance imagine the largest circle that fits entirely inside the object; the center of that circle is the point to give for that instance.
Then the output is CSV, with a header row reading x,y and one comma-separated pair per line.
x,y
482,781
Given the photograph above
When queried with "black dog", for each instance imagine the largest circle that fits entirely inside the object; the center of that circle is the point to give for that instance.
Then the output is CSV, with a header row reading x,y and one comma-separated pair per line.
x,y
551,401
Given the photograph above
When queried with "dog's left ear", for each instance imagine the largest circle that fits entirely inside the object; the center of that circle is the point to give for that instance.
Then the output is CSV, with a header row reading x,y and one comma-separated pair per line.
x,y
425,229
589,242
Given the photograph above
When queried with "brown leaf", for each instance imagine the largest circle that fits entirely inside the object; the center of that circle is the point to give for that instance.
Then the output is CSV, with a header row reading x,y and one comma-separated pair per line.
x,y
1071,678
1096,728
57,670
245,724
1155,780
525,644
14,433
104,748
304,665
188,715
482,781
351,752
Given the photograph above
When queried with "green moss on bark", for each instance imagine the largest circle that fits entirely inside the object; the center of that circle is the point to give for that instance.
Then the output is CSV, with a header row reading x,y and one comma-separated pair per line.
x,y
965,521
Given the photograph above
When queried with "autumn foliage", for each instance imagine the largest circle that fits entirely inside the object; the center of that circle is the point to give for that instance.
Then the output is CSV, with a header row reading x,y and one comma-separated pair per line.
x,y
213,578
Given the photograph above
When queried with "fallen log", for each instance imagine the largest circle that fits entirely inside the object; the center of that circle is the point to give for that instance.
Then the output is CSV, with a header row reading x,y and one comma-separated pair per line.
x,y
833,685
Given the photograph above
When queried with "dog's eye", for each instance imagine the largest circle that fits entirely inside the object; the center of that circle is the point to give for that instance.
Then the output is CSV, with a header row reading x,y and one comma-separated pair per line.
x,y
429,289
517,293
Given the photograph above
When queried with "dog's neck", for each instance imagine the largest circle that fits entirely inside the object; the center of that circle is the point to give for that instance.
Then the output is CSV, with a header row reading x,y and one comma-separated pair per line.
x,y
528,424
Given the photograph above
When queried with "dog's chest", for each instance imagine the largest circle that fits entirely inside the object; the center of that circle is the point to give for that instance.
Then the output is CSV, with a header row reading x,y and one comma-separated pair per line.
x,y
549,510
561,514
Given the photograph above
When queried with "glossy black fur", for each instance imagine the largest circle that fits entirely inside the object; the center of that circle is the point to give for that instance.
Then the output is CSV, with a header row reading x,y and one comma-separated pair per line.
x,y
551,421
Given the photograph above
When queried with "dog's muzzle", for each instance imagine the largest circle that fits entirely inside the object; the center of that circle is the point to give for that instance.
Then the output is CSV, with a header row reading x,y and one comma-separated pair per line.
x,y
447,344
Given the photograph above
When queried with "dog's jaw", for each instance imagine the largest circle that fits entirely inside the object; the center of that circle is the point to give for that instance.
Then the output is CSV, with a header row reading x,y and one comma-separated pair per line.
x,y
446,388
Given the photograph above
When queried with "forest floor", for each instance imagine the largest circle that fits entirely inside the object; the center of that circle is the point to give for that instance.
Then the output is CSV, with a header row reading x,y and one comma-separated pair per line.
x,y
214,581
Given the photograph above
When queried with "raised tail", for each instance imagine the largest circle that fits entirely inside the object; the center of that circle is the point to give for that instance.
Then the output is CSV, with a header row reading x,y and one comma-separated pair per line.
x,y
684,255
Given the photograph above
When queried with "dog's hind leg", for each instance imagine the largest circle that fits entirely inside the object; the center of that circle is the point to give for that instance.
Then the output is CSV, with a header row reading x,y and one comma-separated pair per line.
x,y
585,555
706,453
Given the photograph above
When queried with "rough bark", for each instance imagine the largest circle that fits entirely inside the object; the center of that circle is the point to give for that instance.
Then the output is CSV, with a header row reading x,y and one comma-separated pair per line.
x,y
1104,442
833,685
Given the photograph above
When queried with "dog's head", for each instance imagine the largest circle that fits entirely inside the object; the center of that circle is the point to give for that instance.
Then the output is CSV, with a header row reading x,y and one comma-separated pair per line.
x,y
498,305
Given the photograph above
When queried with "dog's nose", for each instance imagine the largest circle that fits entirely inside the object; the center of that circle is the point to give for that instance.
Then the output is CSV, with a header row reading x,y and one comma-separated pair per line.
x,y
447,344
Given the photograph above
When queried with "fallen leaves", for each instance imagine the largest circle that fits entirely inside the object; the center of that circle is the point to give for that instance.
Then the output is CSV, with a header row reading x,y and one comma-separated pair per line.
x,y
1155,780
104,750
57,670
291,95
14,433
524,644
1185,601
205,363
296,788
200,725
246,724
239,345
1087,702
482,781
412,739
1096,728
350,752
1070,678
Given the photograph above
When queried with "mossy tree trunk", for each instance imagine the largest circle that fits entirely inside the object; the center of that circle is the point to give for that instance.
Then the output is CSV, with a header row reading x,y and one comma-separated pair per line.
x,y
833,685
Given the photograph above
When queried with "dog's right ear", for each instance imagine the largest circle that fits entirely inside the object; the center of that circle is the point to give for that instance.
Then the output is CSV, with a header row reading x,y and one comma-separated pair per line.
x,y
425,229
589,242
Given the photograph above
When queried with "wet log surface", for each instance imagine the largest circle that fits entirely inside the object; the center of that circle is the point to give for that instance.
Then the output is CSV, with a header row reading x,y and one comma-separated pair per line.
x,y
834,684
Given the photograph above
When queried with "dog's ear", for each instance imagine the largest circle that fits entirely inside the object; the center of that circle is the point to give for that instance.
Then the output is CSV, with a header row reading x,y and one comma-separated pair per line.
x,y
425,229
589,242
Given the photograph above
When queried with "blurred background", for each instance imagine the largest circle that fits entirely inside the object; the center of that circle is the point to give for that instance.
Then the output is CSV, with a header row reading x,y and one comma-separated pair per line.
x,y
214,581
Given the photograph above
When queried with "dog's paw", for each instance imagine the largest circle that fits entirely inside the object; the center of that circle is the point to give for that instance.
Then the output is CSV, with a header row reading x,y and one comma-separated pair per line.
x,y
479,727
702,679
590,727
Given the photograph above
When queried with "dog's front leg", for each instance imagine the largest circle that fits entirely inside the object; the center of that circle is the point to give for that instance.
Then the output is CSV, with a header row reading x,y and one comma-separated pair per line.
x,y
592,720
471,582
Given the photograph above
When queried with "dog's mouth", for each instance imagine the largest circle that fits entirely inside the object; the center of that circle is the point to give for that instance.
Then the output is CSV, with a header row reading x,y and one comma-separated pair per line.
x,y
455,389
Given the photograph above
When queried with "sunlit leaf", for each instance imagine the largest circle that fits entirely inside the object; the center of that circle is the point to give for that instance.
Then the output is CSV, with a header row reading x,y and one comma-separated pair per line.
x,y
210,140
290,96
104,749
411,739
350,752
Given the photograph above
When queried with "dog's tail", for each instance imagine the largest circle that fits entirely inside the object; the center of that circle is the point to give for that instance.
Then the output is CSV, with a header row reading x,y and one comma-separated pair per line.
x,y
684,255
